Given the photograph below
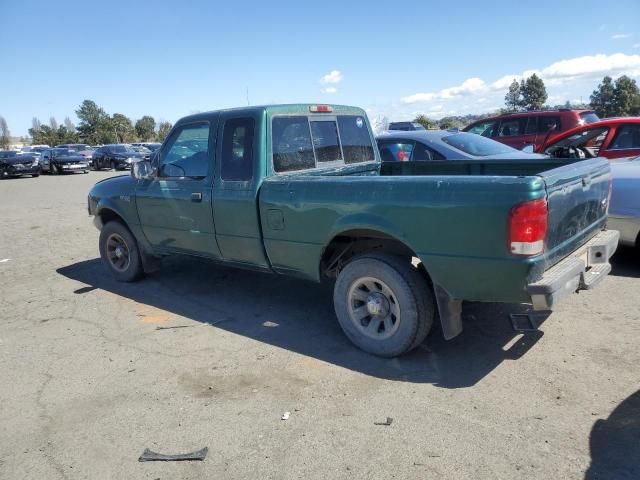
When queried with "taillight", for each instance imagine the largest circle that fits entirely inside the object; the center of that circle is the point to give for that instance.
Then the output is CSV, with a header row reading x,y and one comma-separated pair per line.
x,y
528,227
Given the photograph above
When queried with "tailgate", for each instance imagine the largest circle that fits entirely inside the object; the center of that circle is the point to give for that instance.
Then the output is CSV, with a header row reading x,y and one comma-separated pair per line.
x,y
577,196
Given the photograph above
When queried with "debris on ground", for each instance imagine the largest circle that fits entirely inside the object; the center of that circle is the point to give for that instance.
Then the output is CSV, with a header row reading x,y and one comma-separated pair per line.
x,y
270,324
386,423
149,456
176,326
4,260
286,415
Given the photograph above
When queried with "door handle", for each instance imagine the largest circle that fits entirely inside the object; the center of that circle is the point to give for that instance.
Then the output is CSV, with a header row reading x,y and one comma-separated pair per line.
x,y
196,197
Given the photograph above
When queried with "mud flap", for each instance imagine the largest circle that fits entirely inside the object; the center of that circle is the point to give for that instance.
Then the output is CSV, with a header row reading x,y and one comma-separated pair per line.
x,y
450,310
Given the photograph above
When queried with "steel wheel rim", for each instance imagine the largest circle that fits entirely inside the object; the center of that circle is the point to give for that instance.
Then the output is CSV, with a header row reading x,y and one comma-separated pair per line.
x,y
373,308
118,252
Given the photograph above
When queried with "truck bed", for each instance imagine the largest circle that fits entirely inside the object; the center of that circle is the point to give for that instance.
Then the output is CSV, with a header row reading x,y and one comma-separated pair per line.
x,y
453,215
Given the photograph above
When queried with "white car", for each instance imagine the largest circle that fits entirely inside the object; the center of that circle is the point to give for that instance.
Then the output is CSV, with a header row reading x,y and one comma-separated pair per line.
x,y
624,211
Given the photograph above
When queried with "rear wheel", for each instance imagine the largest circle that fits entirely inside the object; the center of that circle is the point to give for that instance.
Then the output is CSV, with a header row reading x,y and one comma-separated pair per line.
x,y
52,169
383,304
113,165
120,253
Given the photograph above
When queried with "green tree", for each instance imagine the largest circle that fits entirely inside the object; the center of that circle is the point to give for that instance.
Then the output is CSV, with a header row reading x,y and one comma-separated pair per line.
x,y
145,128
534,93
163,130
123,128
602,98
94,122
5,134
513,99
626,97
425,121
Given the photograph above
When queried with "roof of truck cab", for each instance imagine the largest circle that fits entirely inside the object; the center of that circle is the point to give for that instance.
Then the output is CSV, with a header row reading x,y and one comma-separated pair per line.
x,y
281,109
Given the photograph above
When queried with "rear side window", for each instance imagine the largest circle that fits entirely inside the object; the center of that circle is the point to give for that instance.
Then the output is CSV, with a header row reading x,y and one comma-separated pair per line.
x,y
512,127
292,148
237,149
394,151
532,126
547,123
483,128
355,138
627,136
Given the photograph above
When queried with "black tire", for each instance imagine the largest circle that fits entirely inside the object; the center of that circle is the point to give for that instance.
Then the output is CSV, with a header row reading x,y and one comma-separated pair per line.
x,y
407,293
112,233
35,175
113,165
52,169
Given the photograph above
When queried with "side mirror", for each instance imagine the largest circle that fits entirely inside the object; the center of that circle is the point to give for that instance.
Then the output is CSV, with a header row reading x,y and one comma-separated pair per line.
x,y
142,170
527,149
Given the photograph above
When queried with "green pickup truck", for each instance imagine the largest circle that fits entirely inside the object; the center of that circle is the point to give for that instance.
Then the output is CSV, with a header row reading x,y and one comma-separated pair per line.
x,y
300,190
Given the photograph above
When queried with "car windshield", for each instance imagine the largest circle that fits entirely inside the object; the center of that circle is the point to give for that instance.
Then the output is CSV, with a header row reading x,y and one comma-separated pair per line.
x,y
122,149
589,117
476,145
62,152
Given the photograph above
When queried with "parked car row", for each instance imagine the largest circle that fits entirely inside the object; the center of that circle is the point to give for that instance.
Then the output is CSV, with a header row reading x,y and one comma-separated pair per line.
x,y
72,157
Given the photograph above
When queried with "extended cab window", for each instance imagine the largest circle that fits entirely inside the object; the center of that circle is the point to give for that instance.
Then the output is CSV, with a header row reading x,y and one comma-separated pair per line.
x,y
237,149
186,153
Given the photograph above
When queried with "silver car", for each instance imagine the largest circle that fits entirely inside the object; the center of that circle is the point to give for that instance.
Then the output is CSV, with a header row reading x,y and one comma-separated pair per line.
x,y
624,211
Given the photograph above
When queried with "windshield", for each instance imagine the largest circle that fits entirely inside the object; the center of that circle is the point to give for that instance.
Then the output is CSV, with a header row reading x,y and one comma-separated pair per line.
x,y
589,117
122,149
477,145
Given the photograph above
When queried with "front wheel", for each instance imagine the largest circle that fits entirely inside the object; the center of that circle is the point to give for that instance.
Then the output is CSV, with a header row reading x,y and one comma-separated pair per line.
x,y
113,166
384,304
119,252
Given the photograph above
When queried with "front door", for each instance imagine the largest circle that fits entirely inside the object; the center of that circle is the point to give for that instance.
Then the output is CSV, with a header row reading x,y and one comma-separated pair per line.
x,y
175,207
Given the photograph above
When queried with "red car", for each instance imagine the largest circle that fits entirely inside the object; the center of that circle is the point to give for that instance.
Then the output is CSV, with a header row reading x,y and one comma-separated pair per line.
x,y
519,130
612,138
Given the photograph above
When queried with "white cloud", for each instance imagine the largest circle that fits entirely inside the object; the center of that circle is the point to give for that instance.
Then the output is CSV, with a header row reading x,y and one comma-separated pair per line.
x,y
565,79
419,98
504,82
329,90
471,85
333,77
620,36
591,65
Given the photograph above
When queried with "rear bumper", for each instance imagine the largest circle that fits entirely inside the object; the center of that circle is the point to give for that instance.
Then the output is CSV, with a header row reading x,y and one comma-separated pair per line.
x,y
582,270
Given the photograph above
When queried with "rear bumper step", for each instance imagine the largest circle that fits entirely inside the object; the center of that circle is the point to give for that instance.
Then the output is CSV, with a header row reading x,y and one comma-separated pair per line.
x,y
582,270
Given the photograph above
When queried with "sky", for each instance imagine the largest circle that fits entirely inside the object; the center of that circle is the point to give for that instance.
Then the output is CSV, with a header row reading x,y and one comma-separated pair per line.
x,y
173,58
